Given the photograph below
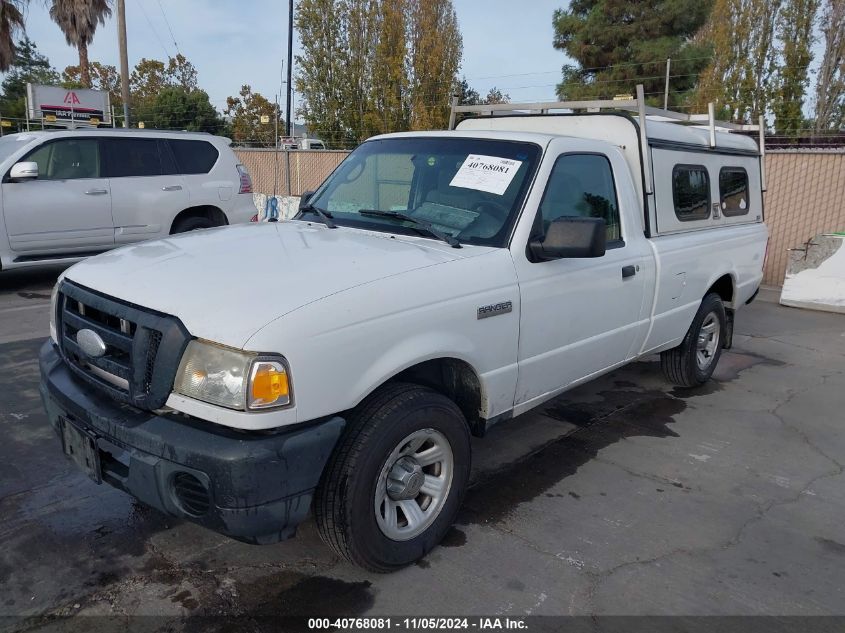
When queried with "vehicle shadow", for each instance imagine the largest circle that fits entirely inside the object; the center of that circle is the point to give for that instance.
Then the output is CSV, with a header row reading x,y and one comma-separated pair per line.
x,y
31,280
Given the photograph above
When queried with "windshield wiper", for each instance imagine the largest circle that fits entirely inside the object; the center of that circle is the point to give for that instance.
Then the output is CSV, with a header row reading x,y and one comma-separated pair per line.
x,y
325,216
418,224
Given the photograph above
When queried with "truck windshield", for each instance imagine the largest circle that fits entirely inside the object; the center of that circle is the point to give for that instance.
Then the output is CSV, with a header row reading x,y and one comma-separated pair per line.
x,y
469,188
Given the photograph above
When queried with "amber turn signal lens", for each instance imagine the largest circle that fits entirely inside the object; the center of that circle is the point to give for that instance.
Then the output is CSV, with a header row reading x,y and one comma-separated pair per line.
x,y
269,385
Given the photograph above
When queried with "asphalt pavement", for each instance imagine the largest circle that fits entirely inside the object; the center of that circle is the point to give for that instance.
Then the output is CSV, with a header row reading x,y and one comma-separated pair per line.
x,y
625,496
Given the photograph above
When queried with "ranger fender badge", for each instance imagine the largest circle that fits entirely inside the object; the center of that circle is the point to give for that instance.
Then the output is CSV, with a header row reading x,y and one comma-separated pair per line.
x,y
495,309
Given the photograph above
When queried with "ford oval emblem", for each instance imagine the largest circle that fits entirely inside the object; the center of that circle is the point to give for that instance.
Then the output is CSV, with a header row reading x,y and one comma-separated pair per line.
x,y
90,343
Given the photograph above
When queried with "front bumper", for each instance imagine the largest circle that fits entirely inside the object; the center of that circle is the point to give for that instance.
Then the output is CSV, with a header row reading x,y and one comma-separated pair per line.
x,y
259,485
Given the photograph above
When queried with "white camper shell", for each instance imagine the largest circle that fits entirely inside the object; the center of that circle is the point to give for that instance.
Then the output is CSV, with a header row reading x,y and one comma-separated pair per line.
x,y
661,148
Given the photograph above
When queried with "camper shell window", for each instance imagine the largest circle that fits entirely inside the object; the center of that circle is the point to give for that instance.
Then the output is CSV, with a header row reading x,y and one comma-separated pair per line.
x,y
691,192
733,191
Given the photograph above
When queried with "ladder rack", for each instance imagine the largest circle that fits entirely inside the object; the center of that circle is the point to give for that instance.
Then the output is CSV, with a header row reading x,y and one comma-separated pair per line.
x,y
637,105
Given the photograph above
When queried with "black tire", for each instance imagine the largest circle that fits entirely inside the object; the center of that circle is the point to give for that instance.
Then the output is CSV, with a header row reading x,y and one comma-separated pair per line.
x,y
344,505
191,224
680,364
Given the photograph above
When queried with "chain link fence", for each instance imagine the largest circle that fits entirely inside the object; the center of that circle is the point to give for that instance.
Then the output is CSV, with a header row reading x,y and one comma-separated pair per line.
x,y
288,172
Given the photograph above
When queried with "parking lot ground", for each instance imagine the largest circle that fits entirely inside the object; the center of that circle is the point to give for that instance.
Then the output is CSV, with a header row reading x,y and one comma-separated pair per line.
x,y
624,496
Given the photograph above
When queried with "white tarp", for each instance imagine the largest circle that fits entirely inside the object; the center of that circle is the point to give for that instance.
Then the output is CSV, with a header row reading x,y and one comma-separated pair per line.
x,y
815,277
55,105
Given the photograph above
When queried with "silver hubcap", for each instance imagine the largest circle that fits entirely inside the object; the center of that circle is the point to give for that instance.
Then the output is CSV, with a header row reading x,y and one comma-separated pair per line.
x,y
708,341
413,484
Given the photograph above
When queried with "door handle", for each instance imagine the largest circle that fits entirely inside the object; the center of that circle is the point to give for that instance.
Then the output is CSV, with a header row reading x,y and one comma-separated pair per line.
x,y
96,192
628,271
172,188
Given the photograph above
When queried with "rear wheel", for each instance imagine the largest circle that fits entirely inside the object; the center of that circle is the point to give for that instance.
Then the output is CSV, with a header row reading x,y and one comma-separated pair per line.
x,y
191,224
694,360
396,480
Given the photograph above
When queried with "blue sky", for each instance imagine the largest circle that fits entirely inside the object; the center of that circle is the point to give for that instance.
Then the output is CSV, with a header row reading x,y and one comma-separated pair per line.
x,y
506,44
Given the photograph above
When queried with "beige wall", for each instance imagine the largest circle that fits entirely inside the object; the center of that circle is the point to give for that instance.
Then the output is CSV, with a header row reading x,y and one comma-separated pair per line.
x,y
805,196
806,192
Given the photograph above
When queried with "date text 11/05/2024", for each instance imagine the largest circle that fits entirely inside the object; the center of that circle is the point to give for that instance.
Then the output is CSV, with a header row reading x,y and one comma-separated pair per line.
x,y
418,623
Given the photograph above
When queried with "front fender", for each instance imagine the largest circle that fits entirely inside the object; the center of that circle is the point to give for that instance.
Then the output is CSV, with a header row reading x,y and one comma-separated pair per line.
x,y
341,348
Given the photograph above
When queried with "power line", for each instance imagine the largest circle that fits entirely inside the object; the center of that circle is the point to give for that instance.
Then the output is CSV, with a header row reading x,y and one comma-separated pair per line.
x,y
167,22
153,29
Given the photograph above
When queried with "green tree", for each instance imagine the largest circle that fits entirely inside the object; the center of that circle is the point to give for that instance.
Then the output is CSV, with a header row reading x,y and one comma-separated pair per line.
x,y
795,40
436,47
620,43
151,76
370,66
245,112
28,66
11,23
741,73
830,81
78,21
390,110
103,77
321,73
494,95
467,95
175,108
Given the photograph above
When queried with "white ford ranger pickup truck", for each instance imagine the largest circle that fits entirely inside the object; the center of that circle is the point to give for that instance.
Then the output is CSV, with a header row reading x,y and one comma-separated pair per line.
x,y
435,284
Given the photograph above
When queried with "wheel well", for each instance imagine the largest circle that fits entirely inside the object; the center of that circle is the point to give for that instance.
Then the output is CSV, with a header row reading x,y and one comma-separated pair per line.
x,y
724,287
213,213
456,380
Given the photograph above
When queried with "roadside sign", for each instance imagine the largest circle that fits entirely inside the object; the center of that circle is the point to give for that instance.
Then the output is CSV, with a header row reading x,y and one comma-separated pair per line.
x,y
5,124
265,118
623,97
67,108
140,125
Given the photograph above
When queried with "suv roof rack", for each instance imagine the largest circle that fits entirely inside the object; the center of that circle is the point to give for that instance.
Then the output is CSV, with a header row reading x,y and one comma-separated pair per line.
x,y
638,105
123,130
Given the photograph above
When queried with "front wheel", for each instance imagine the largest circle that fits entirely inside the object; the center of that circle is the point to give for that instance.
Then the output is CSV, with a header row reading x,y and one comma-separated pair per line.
x,y
396,480
693,361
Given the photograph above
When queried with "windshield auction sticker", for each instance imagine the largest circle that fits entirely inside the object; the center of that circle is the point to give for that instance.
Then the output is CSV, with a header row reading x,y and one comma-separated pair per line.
x,y
486,173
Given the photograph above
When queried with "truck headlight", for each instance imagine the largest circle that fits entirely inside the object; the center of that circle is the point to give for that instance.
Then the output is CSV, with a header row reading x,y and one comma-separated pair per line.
x,y
231,378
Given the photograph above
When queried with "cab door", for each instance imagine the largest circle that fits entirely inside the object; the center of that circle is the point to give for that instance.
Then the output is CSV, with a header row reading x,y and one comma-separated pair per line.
x,y
580,316
67,209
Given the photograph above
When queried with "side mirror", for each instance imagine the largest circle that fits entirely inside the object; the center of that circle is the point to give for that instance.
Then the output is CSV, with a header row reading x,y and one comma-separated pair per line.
x,y
570,238
304,198
24,171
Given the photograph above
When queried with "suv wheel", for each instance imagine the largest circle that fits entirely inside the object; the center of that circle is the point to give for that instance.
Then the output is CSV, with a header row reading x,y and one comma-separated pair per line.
x,y
693,361
397,478
191,224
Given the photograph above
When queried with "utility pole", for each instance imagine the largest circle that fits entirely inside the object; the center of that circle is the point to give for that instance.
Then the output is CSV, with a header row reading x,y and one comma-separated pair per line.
x,y
289,69
124,59
666,87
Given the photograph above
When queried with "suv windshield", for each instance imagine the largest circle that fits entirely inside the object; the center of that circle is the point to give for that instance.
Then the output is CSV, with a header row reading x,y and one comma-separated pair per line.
x,y
468,188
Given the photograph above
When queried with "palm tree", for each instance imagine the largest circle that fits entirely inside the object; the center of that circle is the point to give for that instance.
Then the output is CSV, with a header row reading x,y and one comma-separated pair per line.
x,y
11,21
78,21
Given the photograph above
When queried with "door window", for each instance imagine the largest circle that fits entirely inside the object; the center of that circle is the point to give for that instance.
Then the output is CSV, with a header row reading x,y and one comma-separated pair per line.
x,y
581,185
733,190
133,157
67,159
691,192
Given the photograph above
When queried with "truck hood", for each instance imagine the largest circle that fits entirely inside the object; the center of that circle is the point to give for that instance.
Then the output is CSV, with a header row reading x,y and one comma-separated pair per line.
x,y
225,284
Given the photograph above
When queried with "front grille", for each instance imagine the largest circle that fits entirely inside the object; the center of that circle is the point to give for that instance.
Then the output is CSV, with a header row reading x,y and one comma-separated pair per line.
x,y
142,347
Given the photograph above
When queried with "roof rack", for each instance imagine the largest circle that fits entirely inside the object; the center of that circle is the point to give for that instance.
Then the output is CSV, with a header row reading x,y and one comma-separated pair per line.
x,y
637,105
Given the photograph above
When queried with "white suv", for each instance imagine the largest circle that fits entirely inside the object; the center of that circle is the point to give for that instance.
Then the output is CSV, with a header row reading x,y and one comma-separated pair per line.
x,y
70,194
